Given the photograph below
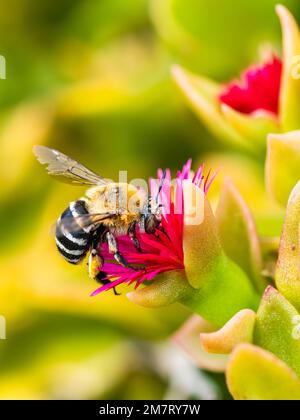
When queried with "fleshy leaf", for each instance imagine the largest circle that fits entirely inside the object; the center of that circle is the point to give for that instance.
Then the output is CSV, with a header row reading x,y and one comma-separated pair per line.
x,y
237,330
282,165
256,374
238,233
253,127
287,275
167,288
277,328
202,95
290,85
187,339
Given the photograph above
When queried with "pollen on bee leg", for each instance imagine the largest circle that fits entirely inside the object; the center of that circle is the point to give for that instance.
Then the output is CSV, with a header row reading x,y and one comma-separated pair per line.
x,y
95,263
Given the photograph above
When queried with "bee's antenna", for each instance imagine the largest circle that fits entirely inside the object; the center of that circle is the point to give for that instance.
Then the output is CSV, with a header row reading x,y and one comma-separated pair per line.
x,y
160,186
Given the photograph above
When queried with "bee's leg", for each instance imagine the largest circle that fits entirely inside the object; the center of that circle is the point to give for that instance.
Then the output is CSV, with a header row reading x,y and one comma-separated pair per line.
x,y
162,229
95,263
132,234
113,249
101,278
97,237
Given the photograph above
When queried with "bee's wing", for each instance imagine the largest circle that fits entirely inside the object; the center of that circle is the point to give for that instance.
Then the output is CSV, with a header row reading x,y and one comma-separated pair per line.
x,y
85,221
66,168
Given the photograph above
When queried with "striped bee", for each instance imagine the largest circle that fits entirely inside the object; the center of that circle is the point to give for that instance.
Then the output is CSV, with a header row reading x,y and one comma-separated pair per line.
x,y
108,210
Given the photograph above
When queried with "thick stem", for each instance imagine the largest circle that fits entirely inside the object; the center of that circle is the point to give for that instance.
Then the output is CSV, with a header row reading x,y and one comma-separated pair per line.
x,y
225,291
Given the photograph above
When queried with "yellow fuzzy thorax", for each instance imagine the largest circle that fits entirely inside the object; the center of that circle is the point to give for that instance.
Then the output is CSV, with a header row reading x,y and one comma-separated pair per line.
x,y
123,201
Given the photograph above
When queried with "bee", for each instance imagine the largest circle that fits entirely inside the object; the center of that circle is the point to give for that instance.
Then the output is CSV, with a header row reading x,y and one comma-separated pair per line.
x,y
107,211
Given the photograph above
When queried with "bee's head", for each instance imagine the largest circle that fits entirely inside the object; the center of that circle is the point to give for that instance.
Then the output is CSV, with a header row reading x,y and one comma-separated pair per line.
x,y
152,217
151,222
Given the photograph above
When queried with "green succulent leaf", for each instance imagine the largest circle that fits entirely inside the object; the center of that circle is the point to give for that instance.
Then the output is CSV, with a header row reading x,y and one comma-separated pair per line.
x,y
287,275
277,328
244,131
238,329
253,127
201,95
282,165
290,87
256,374
166,289
238,233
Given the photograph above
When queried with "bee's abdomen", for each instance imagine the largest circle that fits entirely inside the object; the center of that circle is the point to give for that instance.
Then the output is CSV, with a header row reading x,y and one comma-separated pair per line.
x,y
72,241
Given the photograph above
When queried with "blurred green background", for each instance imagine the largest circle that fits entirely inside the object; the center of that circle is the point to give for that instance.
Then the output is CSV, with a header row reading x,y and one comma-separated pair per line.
x,y
92,78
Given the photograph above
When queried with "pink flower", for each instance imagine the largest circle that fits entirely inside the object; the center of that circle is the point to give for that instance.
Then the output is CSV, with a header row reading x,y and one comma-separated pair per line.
x,y
162,251
259,89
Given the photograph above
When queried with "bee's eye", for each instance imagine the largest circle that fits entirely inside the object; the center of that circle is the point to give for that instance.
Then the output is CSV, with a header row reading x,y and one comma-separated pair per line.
x,y
138,202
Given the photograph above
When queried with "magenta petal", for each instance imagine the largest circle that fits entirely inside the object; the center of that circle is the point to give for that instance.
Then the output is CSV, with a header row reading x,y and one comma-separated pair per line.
x,y
258,90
